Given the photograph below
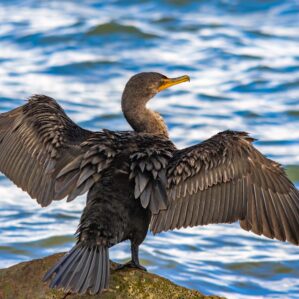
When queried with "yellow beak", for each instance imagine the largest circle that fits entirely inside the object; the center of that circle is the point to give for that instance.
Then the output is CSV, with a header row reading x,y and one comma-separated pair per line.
x,y
168,82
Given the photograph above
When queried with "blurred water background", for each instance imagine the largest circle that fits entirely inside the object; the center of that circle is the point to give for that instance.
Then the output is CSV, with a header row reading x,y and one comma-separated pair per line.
x,y
243,60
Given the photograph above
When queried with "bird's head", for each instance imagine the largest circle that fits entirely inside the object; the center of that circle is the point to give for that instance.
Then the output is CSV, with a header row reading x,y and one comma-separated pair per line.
x,y
143,86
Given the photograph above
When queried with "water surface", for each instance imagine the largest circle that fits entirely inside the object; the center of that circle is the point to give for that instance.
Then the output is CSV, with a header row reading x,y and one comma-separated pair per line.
x,y
243,60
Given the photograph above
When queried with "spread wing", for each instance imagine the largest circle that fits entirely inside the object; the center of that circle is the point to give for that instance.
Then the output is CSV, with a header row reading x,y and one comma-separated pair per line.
x,y
226,179
36,141
80,174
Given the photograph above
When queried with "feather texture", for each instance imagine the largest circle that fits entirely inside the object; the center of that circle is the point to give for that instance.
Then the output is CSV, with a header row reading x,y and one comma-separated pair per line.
x,y
225,179
83,269
36,141
148,172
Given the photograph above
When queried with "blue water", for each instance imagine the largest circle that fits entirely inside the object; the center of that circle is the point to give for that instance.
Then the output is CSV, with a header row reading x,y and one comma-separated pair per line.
x,y
243,60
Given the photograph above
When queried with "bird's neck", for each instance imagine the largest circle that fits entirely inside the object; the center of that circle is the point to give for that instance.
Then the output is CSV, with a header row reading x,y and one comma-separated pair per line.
x,y
144,120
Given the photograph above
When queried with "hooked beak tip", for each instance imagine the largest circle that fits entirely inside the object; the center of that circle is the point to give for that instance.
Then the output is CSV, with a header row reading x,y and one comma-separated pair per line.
x,y
168,82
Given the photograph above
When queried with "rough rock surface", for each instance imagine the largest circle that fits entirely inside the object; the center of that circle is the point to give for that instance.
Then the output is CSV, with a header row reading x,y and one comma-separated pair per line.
x,y
23,281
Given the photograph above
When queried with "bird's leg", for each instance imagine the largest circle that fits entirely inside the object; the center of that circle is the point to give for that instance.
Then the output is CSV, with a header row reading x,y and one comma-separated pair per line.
x,y
134,262
135,257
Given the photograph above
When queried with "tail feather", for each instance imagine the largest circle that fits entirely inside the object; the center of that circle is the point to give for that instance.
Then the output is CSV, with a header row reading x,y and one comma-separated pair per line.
x,y
85,271
62,262
104,280
64,274
74,272
90,275
81,270
101,281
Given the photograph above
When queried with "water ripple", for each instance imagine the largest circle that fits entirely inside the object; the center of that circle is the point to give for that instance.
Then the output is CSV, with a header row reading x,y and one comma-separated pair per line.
x,y
242,57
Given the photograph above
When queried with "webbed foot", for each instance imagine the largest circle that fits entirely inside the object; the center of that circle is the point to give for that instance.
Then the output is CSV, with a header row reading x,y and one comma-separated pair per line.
x,y
131,265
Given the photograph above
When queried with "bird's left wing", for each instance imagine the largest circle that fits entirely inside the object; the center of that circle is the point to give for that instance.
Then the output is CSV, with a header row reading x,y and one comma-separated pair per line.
x,y
84,171
226,179
36,141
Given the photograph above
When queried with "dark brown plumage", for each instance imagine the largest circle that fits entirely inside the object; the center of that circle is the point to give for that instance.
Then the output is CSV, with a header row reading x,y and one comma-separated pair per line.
x,y
138,179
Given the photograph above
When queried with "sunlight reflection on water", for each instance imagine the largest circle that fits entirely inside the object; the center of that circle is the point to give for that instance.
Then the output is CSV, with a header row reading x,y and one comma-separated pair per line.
x,y
243,61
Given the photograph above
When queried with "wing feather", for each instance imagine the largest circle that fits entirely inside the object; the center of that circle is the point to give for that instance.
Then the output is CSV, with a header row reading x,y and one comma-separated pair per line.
x,y
36,141
225,179
148,172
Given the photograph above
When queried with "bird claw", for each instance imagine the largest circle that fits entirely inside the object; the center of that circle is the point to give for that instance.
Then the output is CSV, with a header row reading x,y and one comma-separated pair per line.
x,y
131,265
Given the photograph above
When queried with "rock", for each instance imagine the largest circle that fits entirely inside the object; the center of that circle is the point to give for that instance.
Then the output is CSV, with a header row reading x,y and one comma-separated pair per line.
x,y
23,281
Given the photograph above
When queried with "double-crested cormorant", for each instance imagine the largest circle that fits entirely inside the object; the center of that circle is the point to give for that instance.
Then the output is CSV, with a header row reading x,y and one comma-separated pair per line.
x,y
139,179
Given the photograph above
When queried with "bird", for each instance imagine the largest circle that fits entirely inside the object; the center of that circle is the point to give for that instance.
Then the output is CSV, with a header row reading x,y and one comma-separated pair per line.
x,y
138,180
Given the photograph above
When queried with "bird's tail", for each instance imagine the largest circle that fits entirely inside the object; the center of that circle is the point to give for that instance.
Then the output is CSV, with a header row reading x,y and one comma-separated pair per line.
x,y
81,270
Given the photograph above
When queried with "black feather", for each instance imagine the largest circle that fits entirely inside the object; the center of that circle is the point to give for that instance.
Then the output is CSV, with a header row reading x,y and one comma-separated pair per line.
x,y
82,269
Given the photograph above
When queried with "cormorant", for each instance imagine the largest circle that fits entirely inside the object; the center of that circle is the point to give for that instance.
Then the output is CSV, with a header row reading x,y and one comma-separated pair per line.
x,y
138,180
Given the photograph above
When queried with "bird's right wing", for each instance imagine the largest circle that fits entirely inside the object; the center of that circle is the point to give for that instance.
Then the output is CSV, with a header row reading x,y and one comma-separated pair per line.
x,y
37,140
225,179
